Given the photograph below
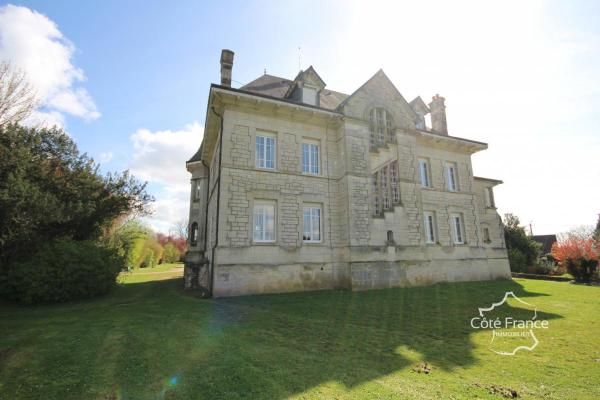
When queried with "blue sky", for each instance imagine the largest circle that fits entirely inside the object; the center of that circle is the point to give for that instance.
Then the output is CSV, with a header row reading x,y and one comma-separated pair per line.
x,y
521,76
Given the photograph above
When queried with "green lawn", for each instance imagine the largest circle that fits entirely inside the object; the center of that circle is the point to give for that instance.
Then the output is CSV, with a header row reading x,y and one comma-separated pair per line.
x,y
149,340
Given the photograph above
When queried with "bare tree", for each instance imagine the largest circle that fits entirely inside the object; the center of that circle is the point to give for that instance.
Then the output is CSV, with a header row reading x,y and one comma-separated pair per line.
x,y
17,97
181,228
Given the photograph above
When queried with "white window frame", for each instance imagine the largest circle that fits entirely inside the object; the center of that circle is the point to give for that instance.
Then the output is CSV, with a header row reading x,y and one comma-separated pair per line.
x,y
458,229
263,157
313,210
260,211
312,164
451,177
430,227
424,164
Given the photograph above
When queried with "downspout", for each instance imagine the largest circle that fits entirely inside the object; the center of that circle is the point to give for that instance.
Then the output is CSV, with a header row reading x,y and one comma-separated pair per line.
x,y
206,212
212,267
331,251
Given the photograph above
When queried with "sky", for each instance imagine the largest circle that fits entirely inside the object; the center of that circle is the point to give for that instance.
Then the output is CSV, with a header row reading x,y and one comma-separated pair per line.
x,y
129,81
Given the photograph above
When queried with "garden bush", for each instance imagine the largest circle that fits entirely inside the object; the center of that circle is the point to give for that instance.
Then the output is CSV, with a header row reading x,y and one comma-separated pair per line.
x,y
523,251
60,271
171,253
517,260
579,255
583,270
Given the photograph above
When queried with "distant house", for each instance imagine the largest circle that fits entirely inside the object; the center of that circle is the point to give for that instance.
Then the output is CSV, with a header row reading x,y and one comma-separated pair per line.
x,y
546,241
299,187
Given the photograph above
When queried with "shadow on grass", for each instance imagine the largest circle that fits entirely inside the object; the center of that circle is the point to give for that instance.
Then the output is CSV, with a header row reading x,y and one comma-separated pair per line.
x,y
273,346
149,339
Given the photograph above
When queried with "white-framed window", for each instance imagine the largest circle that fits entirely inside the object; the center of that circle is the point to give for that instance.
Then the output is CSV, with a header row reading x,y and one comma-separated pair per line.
x,y
486,235
489,197
310,157
266,150
451,177
424,172
458,229
264,221
311,218
430,227
309,95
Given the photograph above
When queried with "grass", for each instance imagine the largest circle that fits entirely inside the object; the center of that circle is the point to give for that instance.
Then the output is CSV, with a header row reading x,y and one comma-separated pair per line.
x,y
160,272
150,340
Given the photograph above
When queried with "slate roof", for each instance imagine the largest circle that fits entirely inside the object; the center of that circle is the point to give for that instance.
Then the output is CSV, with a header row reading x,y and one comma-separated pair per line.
x,y
196,157
546,241
275,86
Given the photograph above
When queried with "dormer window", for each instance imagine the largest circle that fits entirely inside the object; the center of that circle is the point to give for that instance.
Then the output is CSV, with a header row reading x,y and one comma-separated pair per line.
x,y
309,95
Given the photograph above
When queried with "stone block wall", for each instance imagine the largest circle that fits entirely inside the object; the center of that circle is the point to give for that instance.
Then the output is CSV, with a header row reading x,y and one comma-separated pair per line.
x,y
354,252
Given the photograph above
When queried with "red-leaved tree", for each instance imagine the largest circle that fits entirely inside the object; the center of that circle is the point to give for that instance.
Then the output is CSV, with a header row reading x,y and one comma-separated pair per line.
x,y
579,255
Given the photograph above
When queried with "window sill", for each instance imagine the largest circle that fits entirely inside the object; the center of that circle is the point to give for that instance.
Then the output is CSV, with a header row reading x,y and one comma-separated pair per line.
x,y
264,243
311,242
266,169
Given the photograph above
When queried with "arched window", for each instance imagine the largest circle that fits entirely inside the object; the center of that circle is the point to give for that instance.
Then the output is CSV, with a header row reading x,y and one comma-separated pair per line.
x,y
194,234
381,127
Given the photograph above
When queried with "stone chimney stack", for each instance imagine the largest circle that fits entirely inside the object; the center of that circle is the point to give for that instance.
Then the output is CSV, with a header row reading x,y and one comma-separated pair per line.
x,y
438,115
226,67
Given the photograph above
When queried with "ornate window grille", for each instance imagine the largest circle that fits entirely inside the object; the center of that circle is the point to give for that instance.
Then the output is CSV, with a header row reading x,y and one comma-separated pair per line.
x,y
381,128
386,188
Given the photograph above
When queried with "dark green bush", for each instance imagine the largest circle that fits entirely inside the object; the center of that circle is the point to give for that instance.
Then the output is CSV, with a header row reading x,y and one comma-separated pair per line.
x,y
61,271
583,270
517,260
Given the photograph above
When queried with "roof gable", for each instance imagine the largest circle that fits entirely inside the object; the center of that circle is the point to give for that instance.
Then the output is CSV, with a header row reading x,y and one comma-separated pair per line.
x,y
309,77
419,106
379,91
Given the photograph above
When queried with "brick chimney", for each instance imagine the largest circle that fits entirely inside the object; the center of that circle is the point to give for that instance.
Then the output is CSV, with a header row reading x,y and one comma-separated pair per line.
x,y
226,66
438,115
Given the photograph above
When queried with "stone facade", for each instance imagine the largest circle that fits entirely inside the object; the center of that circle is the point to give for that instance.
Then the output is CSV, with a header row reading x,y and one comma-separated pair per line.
x,y
357,249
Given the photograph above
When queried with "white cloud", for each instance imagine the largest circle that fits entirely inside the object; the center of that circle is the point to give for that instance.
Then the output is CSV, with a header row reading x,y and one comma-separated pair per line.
x,y
106,157
159,158
32,42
